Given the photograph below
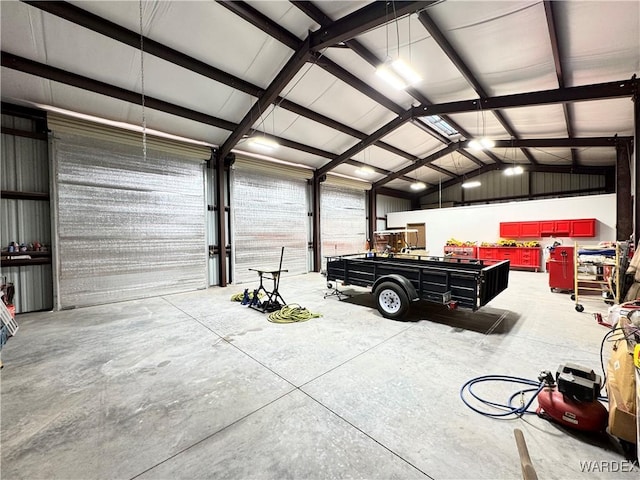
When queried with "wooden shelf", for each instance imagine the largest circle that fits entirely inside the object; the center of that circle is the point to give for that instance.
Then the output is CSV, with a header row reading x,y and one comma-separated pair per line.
x,y
24,195
37,258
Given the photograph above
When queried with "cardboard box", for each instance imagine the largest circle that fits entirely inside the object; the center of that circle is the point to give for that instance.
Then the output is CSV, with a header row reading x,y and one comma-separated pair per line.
x,y
622,423
621,388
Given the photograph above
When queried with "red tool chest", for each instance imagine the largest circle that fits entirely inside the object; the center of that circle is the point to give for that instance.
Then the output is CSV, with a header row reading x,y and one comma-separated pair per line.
x,y
561,268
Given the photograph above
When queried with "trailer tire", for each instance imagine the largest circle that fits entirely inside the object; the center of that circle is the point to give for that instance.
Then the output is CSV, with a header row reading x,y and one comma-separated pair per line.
x,y
391,299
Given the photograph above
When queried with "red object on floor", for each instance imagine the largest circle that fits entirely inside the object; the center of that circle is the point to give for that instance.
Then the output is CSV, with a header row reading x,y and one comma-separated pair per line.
x,y
585,416
560,267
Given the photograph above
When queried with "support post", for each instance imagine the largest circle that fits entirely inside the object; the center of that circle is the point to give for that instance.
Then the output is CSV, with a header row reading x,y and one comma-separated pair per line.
x,y
221,220
624,205
373,214
636,164
317,250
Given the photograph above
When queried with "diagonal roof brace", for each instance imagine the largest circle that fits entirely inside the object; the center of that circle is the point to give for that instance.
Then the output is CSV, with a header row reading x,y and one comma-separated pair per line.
x,y
364,143
366,18
575,142
462,67
295,63
452,147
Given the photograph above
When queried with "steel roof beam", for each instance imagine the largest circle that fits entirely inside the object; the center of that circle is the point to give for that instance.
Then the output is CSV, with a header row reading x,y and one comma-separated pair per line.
x,y
262,22
291,68
366,18
361,145
575,142
100,25
598,91
424,161
462,67
318,16
55,74
324,154
58,75
557,61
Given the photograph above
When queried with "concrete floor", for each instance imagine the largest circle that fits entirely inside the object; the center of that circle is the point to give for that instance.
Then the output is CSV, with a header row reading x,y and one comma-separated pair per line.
x,y
195,386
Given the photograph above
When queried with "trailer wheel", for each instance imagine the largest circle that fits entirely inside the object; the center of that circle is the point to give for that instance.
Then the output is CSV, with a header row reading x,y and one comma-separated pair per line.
x,y
392,300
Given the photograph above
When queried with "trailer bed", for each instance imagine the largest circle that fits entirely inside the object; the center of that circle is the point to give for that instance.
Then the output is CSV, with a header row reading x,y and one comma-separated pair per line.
x,y
467,283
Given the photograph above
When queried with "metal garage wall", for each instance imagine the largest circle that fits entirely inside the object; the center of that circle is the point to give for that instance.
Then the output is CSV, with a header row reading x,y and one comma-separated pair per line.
x,y
24,167
343,220
125,228
386,204
269,211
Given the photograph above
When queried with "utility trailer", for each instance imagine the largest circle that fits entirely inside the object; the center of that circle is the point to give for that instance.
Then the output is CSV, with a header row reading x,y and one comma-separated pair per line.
x,y
396,282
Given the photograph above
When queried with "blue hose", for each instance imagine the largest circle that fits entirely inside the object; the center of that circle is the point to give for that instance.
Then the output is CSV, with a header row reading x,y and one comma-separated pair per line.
x,y
509,408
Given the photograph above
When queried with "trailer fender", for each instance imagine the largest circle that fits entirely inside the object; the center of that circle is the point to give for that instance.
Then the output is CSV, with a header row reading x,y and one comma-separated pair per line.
x,y
405,284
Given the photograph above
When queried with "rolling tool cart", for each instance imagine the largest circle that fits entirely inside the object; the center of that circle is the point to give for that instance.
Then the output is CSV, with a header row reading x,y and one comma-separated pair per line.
x,y
561,269
596,269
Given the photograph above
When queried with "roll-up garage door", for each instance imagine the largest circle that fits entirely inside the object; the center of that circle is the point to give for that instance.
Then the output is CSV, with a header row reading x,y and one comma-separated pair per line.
x,y
343,220
125,228
269,204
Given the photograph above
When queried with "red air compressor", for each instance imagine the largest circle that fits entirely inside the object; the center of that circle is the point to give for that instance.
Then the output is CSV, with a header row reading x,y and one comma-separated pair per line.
x,y
572,399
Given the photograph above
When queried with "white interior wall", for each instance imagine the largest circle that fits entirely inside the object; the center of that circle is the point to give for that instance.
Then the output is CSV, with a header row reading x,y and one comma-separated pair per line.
x,y
481,223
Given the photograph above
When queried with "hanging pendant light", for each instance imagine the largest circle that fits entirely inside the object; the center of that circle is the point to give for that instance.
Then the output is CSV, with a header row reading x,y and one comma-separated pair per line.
x,y
395,71
417,186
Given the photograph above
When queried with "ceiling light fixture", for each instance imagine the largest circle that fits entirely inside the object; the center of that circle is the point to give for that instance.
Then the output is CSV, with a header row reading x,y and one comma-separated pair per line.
x,y
398,74
365,171
395,71
472,184
417,186
517,170
482,143
263,143
513,169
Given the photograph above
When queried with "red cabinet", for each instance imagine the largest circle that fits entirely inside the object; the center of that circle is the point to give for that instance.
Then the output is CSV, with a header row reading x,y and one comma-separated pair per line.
x,y
585,227
530,229
556,228
519,257
509,229
519,229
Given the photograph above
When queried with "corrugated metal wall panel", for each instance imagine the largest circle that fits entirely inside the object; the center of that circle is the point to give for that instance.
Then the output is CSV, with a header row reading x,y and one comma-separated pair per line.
x,y
562,182
386,204
343,221
19,123
443,197
33,287
496,185
25,221
269,212
126,227
24,168
24,164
